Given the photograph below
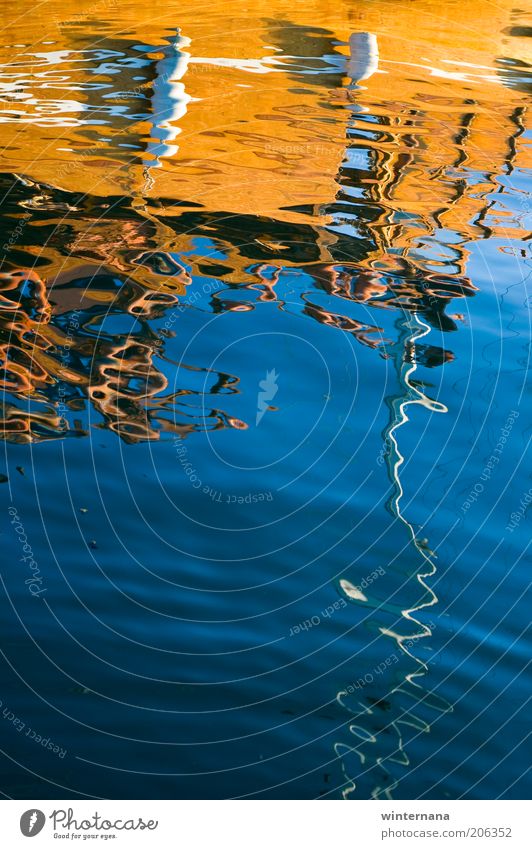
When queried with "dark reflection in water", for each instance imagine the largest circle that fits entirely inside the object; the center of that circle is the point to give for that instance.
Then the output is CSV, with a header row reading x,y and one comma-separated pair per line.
x,y
61,349
157,279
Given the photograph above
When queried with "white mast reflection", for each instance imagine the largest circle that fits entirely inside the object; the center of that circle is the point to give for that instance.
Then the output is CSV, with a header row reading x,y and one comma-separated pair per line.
x,y
169,103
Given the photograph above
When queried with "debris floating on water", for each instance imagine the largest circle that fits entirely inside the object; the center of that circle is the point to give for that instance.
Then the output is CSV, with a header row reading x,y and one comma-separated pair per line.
x,y
352,591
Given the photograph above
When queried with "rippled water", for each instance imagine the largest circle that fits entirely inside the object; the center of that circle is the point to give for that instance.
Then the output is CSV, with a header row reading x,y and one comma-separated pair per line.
x,y
265,335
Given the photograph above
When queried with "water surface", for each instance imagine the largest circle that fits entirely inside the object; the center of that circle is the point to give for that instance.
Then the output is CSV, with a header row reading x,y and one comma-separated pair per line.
x,y
265,339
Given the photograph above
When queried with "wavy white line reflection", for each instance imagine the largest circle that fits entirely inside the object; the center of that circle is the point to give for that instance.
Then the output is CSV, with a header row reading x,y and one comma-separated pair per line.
x,y
399,716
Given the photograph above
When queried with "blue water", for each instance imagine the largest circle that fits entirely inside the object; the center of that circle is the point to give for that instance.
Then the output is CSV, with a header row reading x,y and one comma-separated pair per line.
x,y
276,523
